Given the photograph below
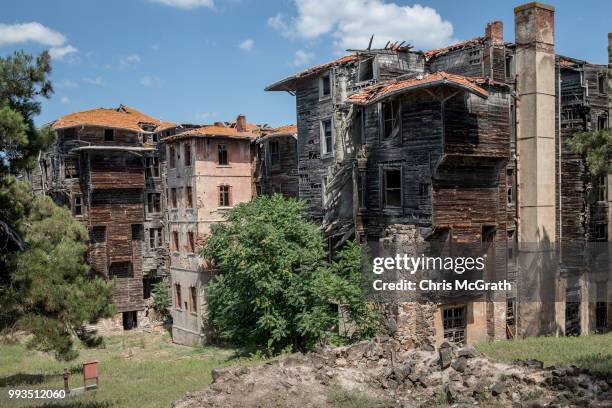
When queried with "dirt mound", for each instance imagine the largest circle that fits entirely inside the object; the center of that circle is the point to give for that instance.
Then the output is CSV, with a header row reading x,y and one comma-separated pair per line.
x,y
375,373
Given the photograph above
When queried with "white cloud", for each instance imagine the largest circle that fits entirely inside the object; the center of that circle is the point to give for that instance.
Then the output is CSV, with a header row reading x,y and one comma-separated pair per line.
x,y
186,4
66,83
151,81
64,99
205,115
61,52
302,58
247,45
94,81
130,60
35,32
351,23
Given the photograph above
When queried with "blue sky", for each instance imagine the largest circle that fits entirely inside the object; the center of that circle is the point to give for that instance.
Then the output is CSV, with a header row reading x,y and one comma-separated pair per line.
x,y
201,61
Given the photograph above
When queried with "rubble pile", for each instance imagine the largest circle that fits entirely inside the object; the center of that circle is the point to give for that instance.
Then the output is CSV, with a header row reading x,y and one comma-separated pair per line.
x,y
447,376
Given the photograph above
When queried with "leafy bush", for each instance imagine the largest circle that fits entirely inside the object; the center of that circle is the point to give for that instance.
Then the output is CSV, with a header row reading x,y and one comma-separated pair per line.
x,y
161,298
274,287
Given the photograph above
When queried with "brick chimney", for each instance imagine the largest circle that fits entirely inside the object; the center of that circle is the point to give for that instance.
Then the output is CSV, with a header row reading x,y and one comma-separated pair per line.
x,y
495,31
536,86
241,123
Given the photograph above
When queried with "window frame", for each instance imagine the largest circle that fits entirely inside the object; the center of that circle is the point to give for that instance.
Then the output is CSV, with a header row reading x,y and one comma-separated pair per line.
x,y
193,299
78,205
384,184
322,95
191,242
222,153
224,196
188,197
107,132
172,156
274,153
187,148
155,237
175,241
455,326
395,119
178,296
151,203
323,137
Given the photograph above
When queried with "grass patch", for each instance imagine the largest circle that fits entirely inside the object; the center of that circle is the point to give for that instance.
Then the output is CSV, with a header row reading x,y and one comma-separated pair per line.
x,y
593,352
136,370
341,398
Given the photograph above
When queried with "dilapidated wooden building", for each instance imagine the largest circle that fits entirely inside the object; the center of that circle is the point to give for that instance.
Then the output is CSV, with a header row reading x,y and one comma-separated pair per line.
x,y
465,144
106,166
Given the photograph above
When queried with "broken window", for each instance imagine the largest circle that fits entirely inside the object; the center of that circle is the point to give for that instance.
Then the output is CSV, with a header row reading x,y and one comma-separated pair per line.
x,y
155,238
71,168
511,247
178,299
601,232
98,234
274,153
77,205
175,241
187,154
121,270
324,191
224,196
223,160
193,299
392,185
510,185
390,119
109,135
69,133
152,167
366,70
510,318
173,198
327,144
171,157
474,57
137,232
601,84
602,122
509,66
325,86
454,324
189,197
190,242
361,187
572,311
153,203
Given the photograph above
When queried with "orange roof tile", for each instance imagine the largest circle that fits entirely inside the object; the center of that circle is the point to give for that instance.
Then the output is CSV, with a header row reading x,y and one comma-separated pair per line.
x,y
123,117
439,51
283,130
212,131
382,90
286,84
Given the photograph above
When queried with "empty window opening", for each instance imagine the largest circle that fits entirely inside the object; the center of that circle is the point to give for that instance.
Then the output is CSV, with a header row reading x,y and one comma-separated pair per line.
x,y
77,206
109,135
98,234
474,57
510,318
155,238
121,270
137,232
601,84
153,203
602,122
274,153
152,167
130,320
510,186
224,196
366,70
187,154
71,168
171,157
325,86
190,242
193,299
601,232
223,161
173,198
178,298
392,188
390,122
189,197
424,190
175,241
572,311
509,66
600,188
327,145
454,324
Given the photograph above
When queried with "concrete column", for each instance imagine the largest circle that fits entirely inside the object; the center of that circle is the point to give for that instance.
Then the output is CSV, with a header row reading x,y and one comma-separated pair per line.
x,y
535,67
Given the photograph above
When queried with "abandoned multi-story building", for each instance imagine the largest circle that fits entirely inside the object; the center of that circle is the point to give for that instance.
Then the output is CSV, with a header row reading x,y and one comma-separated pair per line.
x,y
106,167
209,170
276,169
462,144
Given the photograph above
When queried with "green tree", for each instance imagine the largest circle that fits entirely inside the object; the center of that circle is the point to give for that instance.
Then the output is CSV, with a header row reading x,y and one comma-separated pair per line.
x,y
273,285
596,149
52,293
161,298
45,284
